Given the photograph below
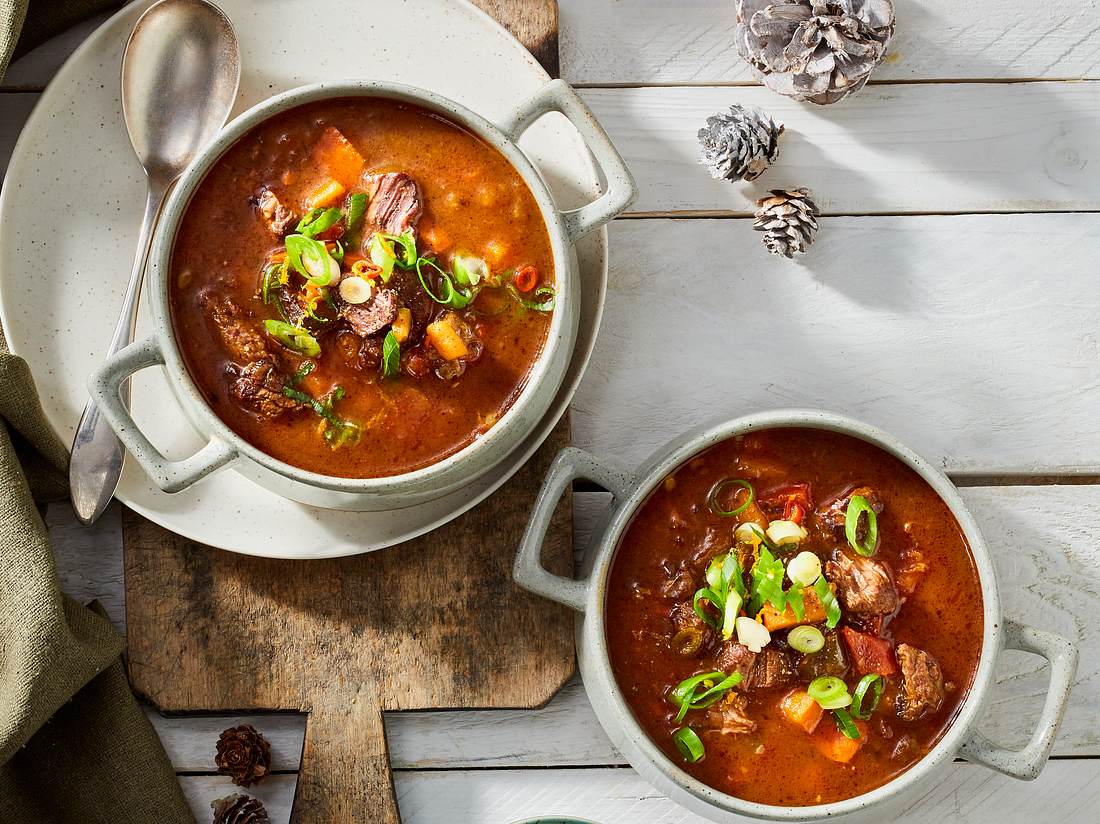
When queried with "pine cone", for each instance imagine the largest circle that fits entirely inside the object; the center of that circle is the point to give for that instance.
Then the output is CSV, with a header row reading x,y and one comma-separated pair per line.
x,y
815,50
788,219
740,145
243,754
239,809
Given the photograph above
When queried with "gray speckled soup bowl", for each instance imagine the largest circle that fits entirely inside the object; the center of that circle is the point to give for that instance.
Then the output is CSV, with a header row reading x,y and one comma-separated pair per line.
x,y
226,448
586,595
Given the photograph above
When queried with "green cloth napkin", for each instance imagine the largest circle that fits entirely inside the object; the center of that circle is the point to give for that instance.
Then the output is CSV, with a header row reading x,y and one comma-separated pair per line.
x,y
75,746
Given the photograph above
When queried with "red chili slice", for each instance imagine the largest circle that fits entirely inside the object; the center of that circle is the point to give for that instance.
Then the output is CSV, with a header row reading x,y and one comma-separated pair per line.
x,y
526,279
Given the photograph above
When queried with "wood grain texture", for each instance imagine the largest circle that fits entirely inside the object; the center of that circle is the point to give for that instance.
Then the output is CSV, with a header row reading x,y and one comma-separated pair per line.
x,y
891,149
434,622
691,41
971,338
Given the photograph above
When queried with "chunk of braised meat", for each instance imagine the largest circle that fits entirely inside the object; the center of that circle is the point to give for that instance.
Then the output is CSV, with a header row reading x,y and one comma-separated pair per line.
x,y
240,337
921,683
373,316
734,657
869,653
729,716
259,387
774,668
394,205
412,296
911,569
279,218
863,585
835,512
829,660
689,634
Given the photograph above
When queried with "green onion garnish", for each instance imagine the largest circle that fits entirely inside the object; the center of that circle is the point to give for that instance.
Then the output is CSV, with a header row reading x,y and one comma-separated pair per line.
x,y
293,337
830,692
357,207
722,486
406,245
381,255
546,292
300,375
767,583
318,220
726,593
862,706
469,270
391,355
845,724
856,507
311,259
452,298
828,600
806,639
687,696
338,431
689,744
707,595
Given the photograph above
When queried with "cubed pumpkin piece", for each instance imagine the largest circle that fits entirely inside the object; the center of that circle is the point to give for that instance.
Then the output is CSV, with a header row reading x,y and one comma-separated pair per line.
x,y
327,194
869,653
775,620
402,324
445,338
801,710
336,155
835,745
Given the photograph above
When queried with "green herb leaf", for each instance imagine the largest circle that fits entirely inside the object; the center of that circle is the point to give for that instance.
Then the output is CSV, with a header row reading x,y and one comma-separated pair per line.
x,y
796,602
274,277
767,583
318,220
293,337
303,370
546,292
338,432
391,355
828,600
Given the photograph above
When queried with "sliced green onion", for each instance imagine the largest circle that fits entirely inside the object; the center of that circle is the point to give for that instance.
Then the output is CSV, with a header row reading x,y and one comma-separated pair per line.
x,y
862,706
795,602
689,744
806,639
845,724
293,337
730,611
338,432
272,279
830,692
686,695
318,220
391,355
406,244
357,207
710,595
722,486
381,255
828,600
469,270
546,292
856,507
311,259
452,298
303,370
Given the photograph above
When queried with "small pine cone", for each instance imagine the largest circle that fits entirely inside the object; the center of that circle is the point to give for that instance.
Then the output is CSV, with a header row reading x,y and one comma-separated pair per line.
x,y
788,219
244,755
239,809
740,145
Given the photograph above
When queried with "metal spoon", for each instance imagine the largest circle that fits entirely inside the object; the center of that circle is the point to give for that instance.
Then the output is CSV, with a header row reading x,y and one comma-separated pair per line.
x,y
180,74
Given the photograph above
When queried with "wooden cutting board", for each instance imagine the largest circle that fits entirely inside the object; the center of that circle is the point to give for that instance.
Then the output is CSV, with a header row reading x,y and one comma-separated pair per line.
x,y
432,623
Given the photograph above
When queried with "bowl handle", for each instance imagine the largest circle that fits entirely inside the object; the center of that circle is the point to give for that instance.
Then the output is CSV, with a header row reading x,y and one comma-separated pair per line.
x,y
170,476
1028,762
570,464
557,96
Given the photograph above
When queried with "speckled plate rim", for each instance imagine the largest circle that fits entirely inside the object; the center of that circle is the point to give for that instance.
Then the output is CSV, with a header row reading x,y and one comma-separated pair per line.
x,y
199,517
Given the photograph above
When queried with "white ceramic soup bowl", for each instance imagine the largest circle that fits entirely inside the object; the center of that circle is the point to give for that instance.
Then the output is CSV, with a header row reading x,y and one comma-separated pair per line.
x,y
226,448
587,594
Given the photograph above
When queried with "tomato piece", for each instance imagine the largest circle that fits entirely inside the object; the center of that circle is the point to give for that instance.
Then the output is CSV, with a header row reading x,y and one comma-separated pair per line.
x,y
869,653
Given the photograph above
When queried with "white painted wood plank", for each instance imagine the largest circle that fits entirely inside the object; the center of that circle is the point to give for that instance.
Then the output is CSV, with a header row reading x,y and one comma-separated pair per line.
x,y
15,108
920,148
692,41
971,338
191,740
276,792
1066,791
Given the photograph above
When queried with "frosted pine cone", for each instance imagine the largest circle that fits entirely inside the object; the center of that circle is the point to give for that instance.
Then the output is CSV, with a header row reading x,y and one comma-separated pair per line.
x,y
788,219
740,145
814,50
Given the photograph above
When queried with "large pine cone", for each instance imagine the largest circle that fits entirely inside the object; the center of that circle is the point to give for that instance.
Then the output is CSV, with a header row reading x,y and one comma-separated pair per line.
x,y
239,809
788,219
243,754
740,145
814,50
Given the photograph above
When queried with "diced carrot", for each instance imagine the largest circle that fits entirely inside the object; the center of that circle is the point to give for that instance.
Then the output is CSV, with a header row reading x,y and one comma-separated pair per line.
x,y
446,340
775,620
339,158
835,745
801,710
402,324
326,194
870,653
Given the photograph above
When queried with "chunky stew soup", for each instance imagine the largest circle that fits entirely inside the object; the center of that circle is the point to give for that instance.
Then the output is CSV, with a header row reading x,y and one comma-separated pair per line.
x,y
794,617
360,288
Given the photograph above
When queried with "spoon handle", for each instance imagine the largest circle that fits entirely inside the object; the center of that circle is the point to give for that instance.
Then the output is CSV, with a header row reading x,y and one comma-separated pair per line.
x,y
97,455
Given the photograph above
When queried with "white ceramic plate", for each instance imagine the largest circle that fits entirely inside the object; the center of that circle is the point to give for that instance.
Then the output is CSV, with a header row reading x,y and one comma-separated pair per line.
x,y
72,201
